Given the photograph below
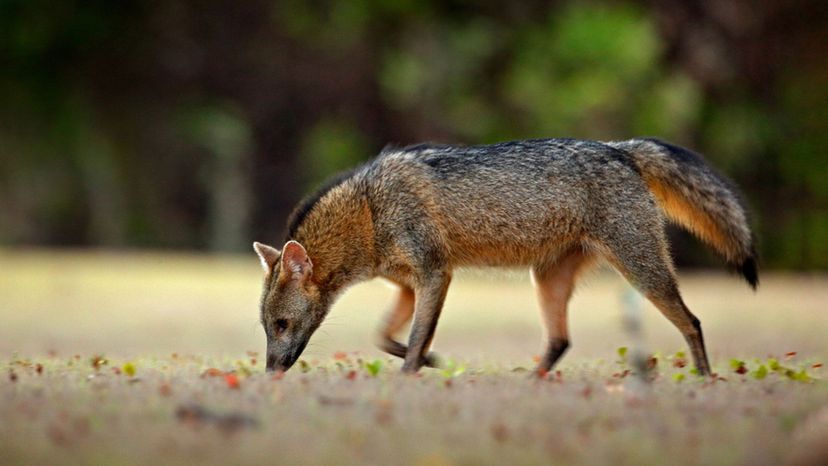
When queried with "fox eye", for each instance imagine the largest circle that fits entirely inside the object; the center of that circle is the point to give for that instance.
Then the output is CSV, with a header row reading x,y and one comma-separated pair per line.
x,y
281,325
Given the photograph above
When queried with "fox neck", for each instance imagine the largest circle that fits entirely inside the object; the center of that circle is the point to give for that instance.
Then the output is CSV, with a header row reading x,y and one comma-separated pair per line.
x,y
339,238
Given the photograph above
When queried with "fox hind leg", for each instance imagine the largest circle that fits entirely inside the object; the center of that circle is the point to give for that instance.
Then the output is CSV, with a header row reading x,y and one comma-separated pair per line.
x,y
642,258
554,284
398,316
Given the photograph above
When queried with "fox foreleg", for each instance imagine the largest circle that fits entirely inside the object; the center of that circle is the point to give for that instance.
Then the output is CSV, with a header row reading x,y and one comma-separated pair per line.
x,y
398,316
428,302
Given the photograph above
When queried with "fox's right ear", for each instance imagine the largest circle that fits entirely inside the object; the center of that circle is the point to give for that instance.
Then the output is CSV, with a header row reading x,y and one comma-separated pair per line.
x,y
268,255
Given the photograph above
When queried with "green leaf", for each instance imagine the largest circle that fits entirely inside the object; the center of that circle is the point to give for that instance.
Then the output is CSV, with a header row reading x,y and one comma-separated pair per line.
x,y
129,369
736,363
374,367
452,369
773,364
760,373
800,376
622,353
678,377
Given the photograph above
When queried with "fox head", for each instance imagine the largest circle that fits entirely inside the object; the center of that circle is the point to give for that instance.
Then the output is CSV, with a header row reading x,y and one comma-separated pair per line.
x,y
292,305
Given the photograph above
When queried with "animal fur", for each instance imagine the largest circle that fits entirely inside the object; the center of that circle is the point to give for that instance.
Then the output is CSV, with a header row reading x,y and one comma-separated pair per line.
x,y
415,214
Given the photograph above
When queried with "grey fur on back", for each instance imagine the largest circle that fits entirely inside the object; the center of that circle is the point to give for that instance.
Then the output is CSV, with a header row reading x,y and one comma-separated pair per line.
x,y
514,203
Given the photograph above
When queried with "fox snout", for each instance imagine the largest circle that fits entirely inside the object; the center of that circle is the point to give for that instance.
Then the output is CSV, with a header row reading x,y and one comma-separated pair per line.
x,y
273,365
279,362
282,359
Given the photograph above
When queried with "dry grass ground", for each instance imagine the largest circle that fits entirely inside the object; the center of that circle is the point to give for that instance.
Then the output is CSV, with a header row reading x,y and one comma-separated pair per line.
x,y
173,317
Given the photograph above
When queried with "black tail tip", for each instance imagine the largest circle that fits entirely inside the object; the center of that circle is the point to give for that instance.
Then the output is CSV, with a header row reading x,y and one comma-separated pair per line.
x,y
749,271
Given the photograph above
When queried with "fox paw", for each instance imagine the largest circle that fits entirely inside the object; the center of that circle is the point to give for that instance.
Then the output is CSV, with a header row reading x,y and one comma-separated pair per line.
x,y
432,360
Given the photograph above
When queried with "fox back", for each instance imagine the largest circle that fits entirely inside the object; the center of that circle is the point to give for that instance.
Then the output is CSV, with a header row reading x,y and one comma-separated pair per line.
x,y
507,204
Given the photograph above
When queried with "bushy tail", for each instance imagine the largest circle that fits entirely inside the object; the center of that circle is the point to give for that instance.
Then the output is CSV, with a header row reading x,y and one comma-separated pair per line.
x,y
695,196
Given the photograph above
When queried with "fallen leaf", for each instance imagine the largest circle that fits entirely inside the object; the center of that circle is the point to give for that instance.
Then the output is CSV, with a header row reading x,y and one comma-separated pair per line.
x,y
97,361
622,353
352,375
374,367
232,381
738,366
760,373
129,369
212,372
340,355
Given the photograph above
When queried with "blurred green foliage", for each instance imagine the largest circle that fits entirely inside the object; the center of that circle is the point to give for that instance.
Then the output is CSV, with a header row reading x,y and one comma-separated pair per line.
x,y
199,124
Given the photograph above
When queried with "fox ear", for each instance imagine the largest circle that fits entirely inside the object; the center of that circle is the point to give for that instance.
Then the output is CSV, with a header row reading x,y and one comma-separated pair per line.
x,y
268,255
295,262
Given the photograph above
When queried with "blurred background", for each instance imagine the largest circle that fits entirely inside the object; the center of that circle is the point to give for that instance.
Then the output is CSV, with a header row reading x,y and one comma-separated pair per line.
x,y
196,125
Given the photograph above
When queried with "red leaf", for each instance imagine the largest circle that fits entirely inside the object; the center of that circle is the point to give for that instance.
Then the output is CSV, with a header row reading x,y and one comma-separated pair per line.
x,y
741,369
817,365
790,355
212,372
232,381
340,355
352,375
